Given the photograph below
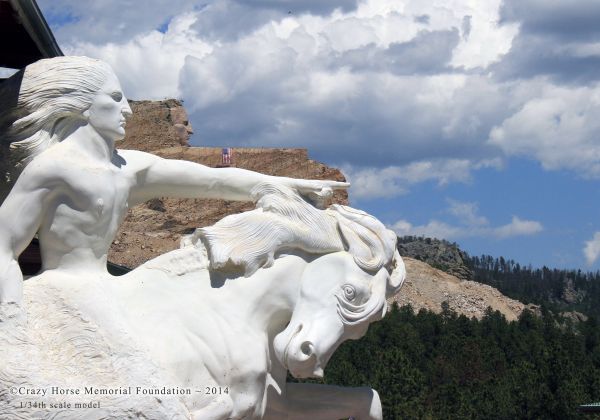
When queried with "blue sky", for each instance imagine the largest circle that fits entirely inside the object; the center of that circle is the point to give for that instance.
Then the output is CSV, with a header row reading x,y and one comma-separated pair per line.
x,y
477,122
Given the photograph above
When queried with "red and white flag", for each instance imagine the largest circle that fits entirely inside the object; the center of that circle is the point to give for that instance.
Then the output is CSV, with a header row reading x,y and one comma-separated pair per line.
x,y
226,156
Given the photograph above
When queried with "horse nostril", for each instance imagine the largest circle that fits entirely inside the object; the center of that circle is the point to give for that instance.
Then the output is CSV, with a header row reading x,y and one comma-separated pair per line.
x,y
307,348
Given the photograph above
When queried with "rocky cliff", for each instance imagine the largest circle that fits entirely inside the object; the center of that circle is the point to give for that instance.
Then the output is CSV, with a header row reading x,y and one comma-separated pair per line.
x,y
156,125
427,287
437,253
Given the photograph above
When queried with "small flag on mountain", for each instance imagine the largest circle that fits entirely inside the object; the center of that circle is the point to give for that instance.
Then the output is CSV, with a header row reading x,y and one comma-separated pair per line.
x,y
226,156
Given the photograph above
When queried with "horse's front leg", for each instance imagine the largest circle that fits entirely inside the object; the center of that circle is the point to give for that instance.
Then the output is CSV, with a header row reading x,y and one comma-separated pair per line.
x,y
326,402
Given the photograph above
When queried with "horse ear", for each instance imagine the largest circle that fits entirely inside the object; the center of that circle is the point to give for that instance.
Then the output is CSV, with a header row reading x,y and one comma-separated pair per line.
x,y
363,244
398,275
343,232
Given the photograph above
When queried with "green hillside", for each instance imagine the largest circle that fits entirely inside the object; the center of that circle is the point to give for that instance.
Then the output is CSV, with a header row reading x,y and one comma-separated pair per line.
x,y
450,367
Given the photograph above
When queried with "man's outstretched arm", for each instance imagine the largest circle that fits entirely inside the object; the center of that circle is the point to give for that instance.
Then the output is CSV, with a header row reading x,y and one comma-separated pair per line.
x,y
158,177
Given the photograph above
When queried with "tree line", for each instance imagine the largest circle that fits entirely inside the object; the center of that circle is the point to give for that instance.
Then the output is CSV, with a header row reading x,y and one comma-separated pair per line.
x,y
429,365
446,366
559,290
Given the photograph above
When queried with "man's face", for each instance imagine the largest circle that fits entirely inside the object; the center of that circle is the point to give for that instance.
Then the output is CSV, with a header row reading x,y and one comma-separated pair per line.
x,y
109,110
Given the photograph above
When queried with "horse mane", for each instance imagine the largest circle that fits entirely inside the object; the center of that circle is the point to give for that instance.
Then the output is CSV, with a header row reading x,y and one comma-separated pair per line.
x,y
282,221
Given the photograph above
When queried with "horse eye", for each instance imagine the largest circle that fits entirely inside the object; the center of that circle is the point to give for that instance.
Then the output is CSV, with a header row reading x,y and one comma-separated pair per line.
x,y
349,292
117,96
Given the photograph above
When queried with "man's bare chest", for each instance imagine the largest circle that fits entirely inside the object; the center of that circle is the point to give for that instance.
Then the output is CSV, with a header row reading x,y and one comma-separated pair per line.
x,y
97,195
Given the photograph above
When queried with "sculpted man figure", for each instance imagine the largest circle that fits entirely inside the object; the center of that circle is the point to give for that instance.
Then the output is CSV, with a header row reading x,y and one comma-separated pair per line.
x,y
59,121
207,331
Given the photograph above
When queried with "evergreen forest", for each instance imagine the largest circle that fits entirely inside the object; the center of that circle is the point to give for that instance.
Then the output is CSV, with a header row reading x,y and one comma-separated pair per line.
x,y
558,290
444,366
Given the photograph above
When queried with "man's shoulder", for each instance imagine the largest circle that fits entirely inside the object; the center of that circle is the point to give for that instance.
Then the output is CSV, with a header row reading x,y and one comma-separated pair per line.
x,y
44,165
134,159
47,170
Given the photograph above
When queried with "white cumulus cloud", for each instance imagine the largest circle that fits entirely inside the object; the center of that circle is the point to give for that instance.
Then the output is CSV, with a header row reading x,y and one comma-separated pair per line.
x,y
374,83
148,65
433,229
468,224
372,182
559,127
337,77
591,250
517,227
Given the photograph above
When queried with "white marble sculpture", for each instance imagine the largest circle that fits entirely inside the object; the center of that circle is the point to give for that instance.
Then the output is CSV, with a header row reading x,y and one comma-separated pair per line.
x,y
217,322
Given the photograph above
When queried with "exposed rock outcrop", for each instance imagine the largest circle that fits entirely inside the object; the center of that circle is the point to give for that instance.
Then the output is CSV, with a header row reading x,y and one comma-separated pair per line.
x,y
437,253
574,316
570,294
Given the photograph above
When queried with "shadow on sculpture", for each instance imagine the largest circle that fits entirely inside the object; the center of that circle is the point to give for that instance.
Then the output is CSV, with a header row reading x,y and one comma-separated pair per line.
x,y
206,331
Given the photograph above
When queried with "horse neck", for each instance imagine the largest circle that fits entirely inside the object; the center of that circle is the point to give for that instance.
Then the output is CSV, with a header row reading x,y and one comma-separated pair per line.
x,y
271,294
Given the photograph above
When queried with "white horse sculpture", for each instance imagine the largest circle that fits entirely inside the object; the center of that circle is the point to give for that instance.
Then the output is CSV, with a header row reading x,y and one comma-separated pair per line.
x,y
209,331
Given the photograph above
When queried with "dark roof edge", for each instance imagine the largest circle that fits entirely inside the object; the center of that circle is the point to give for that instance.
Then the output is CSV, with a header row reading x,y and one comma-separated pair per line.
x,y
37,27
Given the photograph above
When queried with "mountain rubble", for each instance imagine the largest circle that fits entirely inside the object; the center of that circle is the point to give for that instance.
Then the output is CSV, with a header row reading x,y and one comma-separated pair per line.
x,y
428,288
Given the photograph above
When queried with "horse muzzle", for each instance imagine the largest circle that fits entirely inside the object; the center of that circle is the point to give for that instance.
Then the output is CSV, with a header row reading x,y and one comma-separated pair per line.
x,y
300,355
302,360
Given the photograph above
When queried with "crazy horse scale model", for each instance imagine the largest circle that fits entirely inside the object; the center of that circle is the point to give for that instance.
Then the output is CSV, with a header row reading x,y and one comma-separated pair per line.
x,y
207,331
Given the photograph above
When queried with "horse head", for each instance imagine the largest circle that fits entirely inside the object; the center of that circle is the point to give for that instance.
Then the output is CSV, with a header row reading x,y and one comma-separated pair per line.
x,y
342,291
341,294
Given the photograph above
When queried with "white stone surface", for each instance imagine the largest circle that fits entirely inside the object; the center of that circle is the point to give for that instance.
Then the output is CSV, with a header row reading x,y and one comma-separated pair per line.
x,y
273,289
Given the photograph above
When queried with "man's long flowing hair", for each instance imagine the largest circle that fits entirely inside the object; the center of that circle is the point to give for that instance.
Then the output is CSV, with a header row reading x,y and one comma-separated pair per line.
x,y
40,106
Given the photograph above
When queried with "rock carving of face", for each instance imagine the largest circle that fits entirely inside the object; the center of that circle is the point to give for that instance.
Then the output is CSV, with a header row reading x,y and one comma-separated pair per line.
x,y
109,110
